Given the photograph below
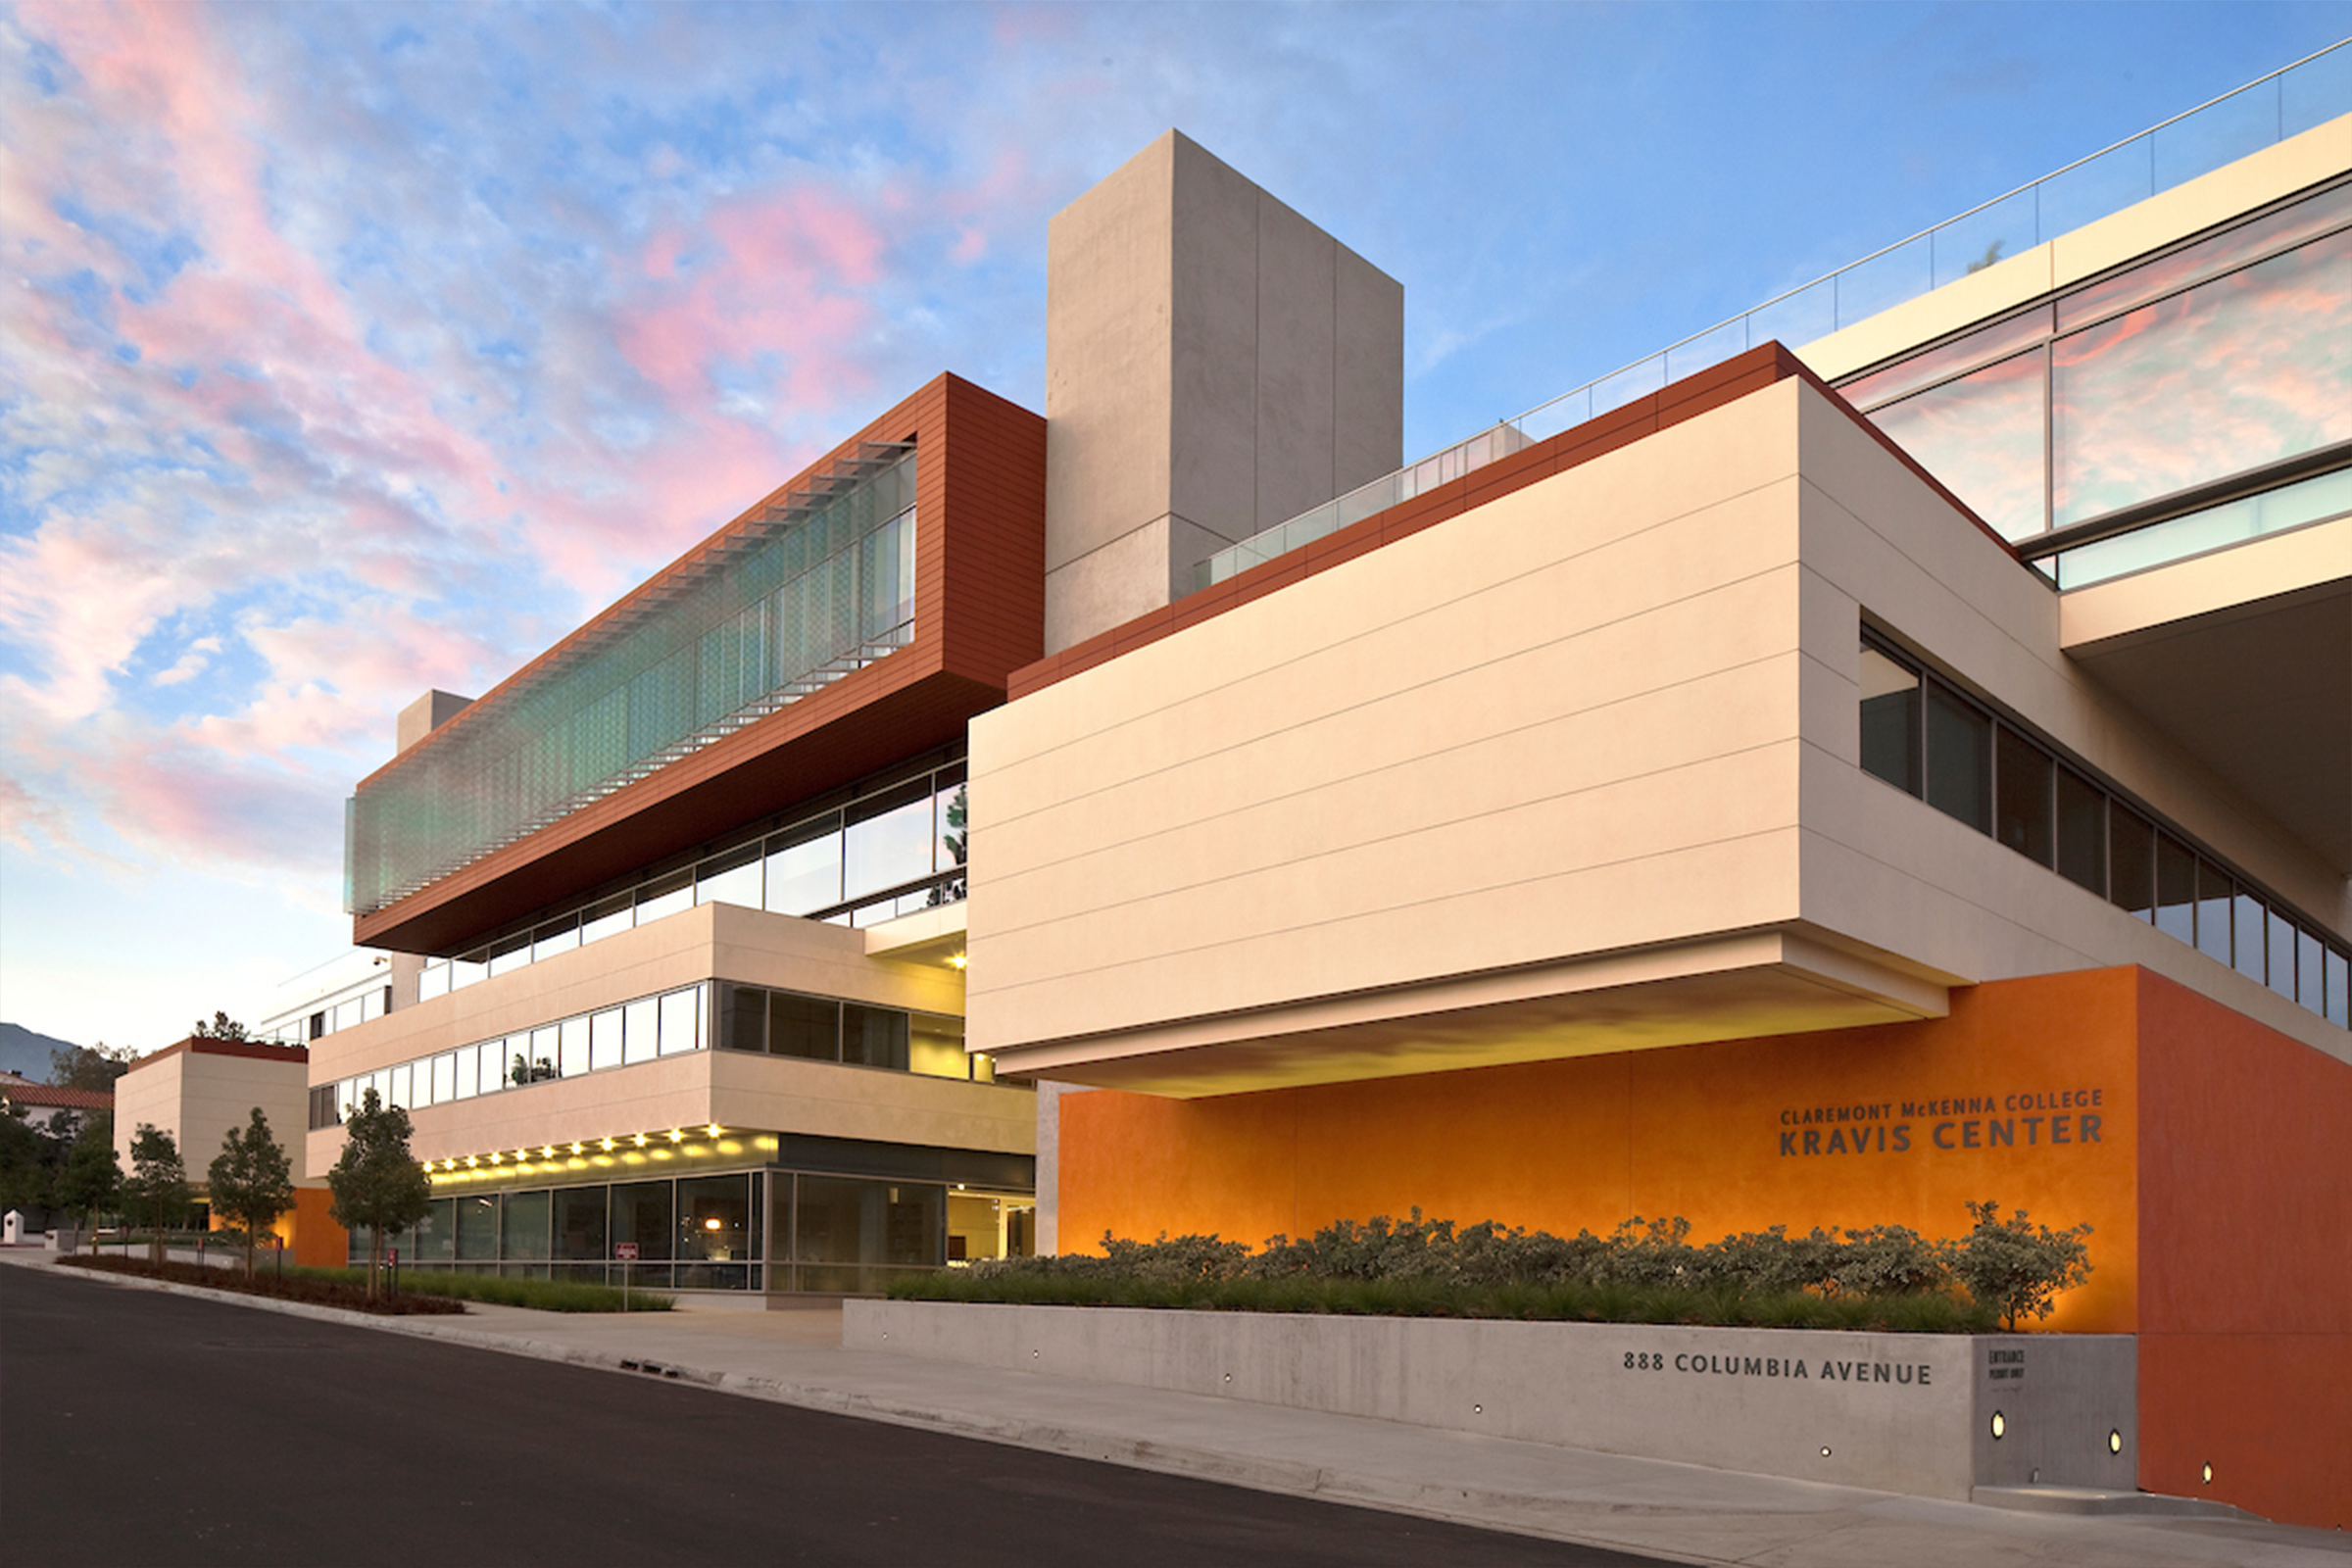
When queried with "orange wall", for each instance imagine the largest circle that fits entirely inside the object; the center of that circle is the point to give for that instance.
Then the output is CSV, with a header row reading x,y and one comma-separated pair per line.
x,y
316,1240
309,1231
2245,1192
1695,1131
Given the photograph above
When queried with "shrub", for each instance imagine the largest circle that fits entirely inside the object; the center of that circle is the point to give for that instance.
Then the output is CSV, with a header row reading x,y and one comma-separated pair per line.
x,y
2016,1267
1881,1277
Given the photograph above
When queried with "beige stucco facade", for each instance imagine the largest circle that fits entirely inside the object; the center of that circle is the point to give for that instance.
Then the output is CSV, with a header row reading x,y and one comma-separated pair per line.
x,y
1576,770
200,1096
697,1088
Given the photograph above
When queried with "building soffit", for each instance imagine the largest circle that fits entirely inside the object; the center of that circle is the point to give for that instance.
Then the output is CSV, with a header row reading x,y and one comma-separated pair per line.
x,y
2243,659
1782,980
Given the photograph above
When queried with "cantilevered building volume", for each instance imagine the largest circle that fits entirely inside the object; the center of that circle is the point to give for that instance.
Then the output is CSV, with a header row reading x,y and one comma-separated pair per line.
x,y
1818,784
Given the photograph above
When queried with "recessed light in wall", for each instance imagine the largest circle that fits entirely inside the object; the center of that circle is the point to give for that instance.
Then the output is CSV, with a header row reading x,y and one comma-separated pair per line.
x,y
2000,1426
607,1146
2209,1472
711,1224
1825,1452
715,1129
641,1140
546,1152
498,1159
2115,1439
575,1148
676,1136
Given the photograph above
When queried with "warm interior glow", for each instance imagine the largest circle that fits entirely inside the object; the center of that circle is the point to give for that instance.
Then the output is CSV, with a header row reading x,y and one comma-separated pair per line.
x,y
957,960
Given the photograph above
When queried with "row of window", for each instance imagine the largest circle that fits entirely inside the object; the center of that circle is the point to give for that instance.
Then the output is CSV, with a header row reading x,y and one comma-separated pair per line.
x,y
785,1023
710,1231
828,866
1928,740
2043,419
636,1031
319,1022
749,1018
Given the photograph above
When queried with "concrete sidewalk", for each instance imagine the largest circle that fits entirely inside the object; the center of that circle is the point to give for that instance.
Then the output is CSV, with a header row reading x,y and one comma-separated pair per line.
x,y
1679,1512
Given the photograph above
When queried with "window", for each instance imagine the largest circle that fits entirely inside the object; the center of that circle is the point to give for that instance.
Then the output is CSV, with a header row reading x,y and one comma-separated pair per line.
x,y
2024,803
1891,720
1959,758
1931,742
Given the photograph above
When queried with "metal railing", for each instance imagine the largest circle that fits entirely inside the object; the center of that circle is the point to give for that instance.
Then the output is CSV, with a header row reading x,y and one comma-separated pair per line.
x,y
2196,141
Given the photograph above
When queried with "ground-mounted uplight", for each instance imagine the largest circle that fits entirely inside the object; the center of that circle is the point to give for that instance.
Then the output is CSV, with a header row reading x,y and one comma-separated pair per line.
x,y
2115,1439
2000,1426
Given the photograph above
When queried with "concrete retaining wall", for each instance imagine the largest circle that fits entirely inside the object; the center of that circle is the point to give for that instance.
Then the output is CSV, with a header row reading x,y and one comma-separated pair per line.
x,y
1896,1412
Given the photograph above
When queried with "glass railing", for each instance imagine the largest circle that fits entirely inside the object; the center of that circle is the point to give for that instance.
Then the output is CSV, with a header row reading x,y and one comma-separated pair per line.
x,y
1388,490
2288,101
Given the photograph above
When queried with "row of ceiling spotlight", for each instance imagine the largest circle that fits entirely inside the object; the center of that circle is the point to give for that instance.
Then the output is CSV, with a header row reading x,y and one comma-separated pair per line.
x,y
608,1145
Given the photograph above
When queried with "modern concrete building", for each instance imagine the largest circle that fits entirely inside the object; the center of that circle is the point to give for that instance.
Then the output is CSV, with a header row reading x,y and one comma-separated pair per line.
x,y
1869,758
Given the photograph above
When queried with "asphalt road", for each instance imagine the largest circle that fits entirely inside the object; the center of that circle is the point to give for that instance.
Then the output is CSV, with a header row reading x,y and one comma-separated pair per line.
x,y
143,1429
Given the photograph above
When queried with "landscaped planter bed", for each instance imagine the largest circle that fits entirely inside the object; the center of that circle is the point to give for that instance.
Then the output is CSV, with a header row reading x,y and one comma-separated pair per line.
x,y
289,1288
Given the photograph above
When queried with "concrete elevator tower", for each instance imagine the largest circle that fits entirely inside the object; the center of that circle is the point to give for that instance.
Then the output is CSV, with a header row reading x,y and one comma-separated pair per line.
x,y
1215,364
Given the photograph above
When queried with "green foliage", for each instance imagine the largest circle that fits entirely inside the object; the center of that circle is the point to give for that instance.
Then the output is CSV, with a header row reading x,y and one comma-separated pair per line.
x,y
2016,1267
251,1181
223,1027
1885,1277
92,1179
158,1189
545,1295
89,1066
29,1163
377,1183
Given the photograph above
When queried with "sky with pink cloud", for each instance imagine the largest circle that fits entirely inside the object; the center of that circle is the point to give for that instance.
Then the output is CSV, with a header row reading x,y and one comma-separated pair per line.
x,y
349,351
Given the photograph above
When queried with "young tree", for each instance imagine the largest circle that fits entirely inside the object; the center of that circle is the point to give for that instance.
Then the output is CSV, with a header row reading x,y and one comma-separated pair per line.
x,y
377,1183
158,1185
252,1181
92,1179
2015,1266
223,1027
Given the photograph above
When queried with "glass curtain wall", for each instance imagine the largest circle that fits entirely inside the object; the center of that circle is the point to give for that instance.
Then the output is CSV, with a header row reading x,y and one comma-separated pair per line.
x,y
2224,357
757,1230
760,619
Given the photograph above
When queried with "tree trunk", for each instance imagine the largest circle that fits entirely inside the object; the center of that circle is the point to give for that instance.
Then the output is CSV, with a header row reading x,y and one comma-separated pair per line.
x,y
375,1258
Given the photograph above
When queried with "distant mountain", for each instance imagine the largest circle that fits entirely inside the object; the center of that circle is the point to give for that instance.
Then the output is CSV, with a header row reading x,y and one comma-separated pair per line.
x,y
27,1053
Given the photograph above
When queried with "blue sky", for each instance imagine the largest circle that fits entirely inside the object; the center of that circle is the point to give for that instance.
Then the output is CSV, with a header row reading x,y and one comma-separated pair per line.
x,y
354,350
